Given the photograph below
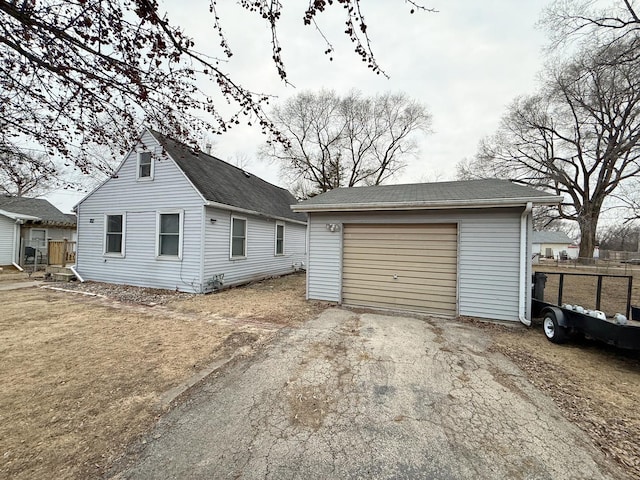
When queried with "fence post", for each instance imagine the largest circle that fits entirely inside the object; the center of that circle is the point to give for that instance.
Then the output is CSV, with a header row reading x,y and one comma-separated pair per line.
x,y
64,253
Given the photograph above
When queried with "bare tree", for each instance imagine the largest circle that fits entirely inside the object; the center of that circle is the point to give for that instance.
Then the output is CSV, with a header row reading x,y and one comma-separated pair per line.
x,y
591,23
334,141
80,72
579,137
26,174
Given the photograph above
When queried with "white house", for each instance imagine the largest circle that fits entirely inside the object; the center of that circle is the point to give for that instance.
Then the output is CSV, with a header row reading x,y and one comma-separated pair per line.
x,y
450,248
26,227
552,245
175,218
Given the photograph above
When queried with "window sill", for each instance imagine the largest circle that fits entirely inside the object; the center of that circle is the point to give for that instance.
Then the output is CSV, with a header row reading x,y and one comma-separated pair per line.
x,y
113,255
238,258
144,179
168,258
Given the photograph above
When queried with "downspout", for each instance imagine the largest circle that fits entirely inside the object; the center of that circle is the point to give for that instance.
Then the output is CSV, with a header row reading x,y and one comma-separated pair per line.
x,y
15,245
522,297
75,272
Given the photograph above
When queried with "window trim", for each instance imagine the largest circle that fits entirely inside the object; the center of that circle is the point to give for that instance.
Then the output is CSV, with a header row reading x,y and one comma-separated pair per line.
x,y
151,170
275,246
246,229
159,213
124,233
46,236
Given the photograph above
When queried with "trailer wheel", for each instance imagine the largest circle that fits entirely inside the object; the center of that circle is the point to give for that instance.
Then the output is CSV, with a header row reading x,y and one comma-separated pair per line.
x,y
554,332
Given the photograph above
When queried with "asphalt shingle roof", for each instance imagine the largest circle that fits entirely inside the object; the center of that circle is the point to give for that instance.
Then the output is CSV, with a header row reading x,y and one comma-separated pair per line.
x,y
550,237
36,207
221,182
456,192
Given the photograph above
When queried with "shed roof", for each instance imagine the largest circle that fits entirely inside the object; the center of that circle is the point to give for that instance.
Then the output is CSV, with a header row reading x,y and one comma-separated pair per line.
x,y
36,207
468,194
550,237
226,184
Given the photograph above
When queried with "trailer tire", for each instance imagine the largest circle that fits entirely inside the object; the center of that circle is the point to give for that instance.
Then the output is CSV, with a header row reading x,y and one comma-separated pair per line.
x,y
554,332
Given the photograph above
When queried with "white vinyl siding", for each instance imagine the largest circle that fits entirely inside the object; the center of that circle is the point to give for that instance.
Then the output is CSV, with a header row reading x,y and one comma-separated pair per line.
x,y
488,258
324,272
141,201
7,240
260,244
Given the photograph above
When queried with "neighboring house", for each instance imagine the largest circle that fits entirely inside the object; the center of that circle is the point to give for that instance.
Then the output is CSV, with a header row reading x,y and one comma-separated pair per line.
x,y
26,226
552,245
450,248
174,218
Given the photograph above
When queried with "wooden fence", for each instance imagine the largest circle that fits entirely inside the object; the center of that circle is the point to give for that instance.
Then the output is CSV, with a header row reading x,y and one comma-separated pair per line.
x,y
61,252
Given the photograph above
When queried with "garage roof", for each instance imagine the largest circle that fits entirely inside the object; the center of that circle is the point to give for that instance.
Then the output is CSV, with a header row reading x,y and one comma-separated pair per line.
x,y
550,237
462,194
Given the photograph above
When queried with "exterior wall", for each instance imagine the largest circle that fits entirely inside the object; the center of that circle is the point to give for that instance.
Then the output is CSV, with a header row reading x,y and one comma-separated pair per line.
x,y
140,201
541,248
7,240
260,261
488,256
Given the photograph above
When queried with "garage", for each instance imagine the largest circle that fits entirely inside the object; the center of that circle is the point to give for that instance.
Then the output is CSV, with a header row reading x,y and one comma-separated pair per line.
x,y
445,248
401,267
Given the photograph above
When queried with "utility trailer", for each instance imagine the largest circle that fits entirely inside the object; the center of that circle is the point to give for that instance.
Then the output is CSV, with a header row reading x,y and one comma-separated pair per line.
x,y
560,322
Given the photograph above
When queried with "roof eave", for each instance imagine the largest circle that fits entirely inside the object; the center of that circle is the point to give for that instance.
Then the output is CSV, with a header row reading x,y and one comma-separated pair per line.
x,y
252,212
19,216
433,205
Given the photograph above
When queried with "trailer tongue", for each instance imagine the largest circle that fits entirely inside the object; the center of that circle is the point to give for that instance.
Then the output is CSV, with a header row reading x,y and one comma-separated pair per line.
x,y
559,321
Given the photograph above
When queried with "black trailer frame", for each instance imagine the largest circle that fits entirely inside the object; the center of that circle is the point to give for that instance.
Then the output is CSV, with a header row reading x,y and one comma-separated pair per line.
x,y
559,322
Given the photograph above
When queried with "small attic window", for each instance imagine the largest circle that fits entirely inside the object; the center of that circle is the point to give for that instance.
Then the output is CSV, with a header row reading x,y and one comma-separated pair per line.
x,y
145,166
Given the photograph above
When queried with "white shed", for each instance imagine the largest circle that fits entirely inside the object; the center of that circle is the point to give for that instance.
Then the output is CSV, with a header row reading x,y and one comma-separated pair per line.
x,y
449,248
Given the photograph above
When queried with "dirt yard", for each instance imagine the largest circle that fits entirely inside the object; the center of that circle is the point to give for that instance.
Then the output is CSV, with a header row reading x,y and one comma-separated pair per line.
x,y
83,376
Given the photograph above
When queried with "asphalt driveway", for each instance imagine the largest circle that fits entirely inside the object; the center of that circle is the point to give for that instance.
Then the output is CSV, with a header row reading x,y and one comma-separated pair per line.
x,y
362,395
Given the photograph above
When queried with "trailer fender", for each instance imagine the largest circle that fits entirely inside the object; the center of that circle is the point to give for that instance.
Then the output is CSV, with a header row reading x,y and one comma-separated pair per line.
x,y
562,320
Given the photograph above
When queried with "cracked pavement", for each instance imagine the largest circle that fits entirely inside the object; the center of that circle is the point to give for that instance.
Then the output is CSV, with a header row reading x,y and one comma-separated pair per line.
x,y
363,395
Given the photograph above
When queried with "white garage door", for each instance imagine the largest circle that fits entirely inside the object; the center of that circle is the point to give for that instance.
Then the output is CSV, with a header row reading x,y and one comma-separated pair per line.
x,y
401,267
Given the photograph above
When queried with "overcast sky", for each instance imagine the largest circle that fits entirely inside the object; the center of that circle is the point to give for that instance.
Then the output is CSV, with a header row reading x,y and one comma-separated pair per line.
x,y
466,63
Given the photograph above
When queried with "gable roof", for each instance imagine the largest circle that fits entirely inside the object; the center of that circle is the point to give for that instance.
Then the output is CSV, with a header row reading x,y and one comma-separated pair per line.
x,y
35,209
550,237
468,193
222,183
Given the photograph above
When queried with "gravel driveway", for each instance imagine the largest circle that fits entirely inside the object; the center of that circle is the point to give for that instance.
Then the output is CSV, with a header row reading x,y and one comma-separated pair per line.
x,y
362,395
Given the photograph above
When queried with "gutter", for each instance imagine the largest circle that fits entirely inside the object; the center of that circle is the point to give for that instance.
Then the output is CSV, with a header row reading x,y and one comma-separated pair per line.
x,y
224,206
424,205
522,290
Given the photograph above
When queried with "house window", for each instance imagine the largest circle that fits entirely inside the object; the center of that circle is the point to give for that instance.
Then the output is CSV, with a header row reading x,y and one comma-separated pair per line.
x,y
279,238
38,238
170,234
238,237
114,234
145,165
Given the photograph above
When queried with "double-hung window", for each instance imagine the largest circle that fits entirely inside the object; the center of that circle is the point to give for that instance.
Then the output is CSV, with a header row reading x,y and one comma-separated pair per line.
x,y
169,235
279,239
145,166
114,234
238,237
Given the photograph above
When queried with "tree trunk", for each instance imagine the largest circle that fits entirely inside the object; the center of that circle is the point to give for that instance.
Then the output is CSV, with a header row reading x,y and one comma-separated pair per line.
x,y
588,223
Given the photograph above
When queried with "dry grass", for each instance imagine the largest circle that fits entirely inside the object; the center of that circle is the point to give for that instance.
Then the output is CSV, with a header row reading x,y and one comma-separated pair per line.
x,y
597,387
278,300
82,376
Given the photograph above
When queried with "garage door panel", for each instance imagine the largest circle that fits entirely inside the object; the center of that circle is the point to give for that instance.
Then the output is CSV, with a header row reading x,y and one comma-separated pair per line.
x,y
441,308
422,256
418,270
409,285
447,279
